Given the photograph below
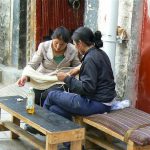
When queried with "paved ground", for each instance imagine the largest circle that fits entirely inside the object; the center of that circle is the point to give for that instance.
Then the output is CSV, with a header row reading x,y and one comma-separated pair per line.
x,y
5,142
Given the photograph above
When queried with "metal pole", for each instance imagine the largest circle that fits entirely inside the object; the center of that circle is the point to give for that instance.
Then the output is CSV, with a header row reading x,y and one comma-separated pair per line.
x,y
110,21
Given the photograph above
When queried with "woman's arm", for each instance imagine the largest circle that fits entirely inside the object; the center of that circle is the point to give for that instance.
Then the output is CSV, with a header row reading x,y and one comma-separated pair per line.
x,y
37,57
34,63
75,71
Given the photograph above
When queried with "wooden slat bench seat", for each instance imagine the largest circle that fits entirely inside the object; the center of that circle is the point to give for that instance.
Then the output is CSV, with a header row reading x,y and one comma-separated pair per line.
x,y
129,125
56,128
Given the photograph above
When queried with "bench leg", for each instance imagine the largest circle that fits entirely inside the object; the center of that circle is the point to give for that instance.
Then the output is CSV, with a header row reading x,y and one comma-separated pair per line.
x,y
0,113
50,146
17,122
76,145
131,146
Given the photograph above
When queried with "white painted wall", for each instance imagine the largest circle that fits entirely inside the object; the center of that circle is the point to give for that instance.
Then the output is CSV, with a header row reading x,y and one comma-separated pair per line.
x,y
108,21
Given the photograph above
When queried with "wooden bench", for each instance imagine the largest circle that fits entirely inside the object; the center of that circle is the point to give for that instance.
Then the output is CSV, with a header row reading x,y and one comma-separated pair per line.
x,y
130,126
56,128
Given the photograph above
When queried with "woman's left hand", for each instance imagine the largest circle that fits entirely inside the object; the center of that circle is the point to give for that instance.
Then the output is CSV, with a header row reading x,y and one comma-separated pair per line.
x,y
62,75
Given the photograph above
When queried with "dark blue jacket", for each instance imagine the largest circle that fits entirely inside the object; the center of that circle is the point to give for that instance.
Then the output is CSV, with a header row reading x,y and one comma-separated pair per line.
x,y
96,80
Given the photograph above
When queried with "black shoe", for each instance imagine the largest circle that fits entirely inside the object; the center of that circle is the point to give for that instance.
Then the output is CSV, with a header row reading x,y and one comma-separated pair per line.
x,y
32,130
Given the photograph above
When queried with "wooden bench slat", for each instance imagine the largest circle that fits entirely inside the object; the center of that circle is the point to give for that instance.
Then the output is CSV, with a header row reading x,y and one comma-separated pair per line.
x,y
66,136
101,142
22,133
2,128
103,128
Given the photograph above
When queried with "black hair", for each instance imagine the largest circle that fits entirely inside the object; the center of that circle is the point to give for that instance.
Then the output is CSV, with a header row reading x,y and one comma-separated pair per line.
x,y
61,33
86,35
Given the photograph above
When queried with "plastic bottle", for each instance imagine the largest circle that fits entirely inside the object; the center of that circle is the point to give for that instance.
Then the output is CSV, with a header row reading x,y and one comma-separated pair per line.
x,y
30,104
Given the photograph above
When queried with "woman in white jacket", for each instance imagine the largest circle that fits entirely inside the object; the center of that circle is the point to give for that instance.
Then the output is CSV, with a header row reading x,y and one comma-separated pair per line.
x,y
51,55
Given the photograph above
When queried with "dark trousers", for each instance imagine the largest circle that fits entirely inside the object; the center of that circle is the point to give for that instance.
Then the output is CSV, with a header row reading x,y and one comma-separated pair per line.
x,y
40,95
68,104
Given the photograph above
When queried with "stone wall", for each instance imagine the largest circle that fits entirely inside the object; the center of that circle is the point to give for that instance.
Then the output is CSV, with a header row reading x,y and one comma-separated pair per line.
x,y
5,15
91,14
12,39
122,49
31,29
134,50
15,32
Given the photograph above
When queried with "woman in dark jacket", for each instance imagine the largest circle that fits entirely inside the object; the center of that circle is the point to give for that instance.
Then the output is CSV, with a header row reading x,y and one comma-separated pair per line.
x,y
93,92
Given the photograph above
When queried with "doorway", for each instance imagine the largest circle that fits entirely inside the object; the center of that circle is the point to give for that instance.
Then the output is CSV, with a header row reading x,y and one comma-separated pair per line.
x,y
53,13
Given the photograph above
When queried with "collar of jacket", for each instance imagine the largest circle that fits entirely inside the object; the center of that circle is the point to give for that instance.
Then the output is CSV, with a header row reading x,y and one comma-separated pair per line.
x,y
50,55
90,49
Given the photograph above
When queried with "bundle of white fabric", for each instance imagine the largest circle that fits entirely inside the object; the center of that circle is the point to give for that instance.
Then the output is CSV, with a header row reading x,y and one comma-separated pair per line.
x,y
41,81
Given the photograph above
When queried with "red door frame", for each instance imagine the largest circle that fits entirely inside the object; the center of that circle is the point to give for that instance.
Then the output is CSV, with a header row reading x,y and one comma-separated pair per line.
x,y
143,94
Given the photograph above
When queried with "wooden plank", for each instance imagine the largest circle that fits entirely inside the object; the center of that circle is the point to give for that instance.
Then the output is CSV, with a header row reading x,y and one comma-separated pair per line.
x,y
2,128
147,147
67,136
51,146
101,142
43,120
48,145
76,145
17,122
22,133
132,146
103,128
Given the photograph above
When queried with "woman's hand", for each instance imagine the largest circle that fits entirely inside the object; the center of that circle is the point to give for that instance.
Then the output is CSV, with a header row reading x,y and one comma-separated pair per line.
x,y
22,81
62,75
75,71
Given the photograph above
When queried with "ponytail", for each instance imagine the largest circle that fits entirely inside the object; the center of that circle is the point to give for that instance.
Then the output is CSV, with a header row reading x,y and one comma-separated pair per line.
x,y
86,35
97,39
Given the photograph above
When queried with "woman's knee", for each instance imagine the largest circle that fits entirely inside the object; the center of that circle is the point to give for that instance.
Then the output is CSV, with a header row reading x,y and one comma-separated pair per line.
x,y
53,94
60,111
53,108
